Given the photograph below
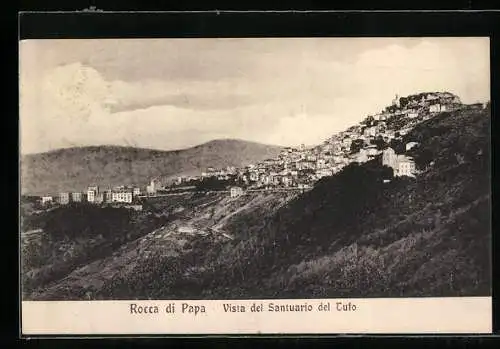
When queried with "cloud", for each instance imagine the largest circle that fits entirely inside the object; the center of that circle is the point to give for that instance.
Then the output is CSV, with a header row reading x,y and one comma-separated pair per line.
x,y
73,105
195,101
431,65
171,94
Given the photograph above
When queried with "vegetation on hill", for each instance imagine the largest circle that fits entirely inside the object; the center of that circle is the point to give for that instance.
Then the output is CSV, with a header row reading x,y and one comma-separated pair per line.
x,y
75,235
74,169
355,236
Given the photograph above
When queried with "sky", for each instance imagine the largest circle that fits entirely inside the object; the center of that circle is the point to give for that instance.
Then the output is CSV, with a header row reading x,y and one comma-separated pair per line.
x,y
176,93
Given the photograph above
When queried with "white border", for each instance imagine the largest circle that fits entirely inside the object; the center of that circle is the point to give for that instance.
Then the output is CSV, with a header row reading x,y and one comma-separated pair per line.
x,y
453,315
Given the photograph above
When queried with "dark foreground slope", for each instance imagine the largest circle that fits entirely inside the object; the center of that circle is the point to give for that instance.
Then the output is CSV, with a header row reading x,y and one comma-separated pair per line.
x,y
351,236
74,169
122,254
355,236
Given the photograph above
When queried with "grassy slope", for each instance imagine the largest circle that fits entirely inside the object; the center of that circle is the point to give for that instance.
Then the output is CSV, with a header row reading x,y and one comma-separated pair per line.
x,y
76,168
354,236
77,235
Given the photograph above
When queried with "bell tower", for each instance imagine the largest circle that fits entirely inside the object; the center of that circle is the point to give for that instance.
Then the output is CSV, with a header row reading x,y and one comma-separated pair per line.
x,y
395,101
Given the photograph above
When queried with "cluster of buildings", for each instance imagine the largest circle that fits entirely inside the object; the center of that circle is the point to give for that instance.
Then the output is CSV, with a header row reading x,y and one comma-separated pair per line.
x,y
401,164
235,191
119,194
301,167
423,103
221,174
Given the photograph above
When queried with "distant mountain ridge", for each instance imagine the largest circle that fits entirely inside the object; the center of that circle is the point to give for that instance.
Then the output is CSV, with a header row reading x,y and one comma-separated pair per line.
x,y
353,235
73,169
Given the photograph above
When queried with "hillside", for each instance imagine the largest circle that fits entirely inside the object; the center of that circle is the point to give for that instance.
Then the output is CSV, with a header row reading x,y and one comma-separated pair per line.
x,y
69,259
355,236
74,169
352,235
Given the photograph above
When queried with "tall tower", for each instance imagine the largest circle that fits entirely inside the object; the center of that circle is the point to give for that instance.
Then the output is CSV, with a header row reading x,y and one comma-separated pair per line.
x,y
389,157
395,101
151,188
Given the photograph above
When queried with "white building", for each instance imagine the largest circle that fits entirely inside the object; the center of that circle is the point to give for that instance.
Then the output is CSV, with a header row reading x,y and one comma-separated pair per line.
x,y
254,176
338,159
151,188
389,158
388,135
64,198
362,156
134,207
108,195
92,193
324,173
320,163
76,197
264,179
371,150
99,198
346,142
406,167
411,114
47,200
404,131
236,191
122,196
136,191
410,145
370,131
400,164
436,108
186,230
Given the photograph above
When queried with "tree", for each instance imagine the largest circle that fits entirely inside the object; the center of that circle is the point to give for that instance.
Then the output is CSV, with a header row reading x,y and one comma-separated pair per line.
x,y
403,102
380,143
397,145
369,120
212,183
357,145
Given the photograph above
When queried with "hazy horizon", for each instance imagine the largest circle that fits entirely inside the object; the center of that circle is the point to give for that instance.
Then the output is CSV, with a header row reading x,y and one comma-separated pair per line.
x,y
171,94
177,149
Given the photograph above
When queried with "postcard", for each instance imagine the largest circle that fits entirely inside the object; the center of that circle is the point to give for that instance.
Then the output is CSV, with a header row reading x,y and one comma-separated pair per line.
x,y
255,185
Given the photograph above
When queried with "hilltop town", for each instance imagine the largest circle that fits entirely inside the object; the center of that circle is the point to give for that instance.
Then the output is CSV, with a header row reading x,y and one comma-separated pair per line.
x,y
370,230
377,136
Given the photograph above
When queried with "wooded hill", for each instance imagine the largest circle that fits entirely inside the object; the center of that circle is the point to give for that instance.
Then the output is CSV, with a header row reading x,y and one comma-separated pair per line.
x,y
73,169
354,236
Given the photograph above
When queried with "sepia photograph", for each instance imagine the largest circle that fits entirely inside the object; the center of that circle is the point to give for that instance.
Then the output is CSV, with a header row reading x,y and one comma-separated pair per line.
x,y
255,169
